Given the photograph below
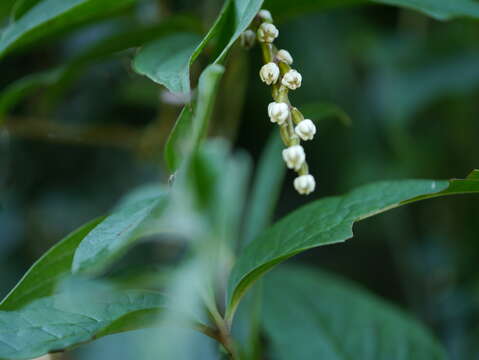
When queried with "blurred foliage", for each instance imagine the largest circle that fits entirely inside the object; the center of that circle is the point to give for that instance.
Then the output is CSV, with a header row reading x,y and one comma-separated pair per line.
x,y
410,85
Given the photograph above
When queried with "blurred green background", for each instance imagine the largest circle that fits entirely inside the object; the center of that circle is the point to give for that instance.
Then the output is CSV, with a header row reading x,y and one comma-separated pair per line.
x,y
410,85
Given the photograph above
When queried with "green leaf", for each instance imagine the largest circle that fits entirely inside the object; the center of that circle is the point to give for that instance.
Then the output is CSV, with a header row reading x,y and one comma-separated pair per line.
x,y
331,318
207,89
267,185
176,144
61,321
236,17
328,221
21,7
115,235
439,9
173,69
43,277
52,16
320,111
469,185
167,61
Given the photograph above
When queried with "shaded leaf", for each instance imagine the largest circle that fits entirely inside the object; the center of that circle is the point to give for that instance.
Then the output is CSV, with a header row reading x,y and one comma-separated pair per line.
x,y
167,61
58,78
267,185
190,129
207,89
320,111
328,221
400,94
335,319
237,16
24,87
175,145
21,7
52,16
439,9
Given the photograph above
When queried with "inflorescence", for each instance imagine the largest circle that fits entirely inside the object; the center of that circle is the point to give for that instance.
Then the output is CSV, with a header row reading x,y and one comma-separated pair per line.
x,y
277,72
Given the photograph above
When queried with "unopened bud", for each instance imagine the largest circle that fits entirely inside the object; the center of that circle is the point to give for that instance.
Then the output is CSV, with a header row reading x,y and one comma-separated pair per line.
x,y
284,56
305,184
294,157
267,32
292,79
278,112
305,130
269,73
248,39
265,15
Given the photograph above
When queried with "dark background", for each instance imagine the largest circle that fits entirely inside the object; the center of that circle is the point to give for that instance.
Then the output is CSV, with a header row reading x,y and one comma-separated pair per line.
x,y
409,84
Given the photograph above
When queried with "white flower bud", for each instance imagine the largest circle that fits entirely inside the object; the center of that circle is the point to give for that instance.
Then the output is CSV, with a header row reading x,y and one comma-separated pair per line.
x,y
284,56
248,39
265,15
278,112
269,73
305,184
267,32
292,79
305,130
294,157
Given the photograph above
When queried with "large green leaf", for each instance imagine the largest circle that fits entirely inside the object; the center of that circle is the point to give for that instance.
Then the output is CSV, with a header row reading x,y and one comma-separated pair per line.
x,y
43,277
330,221
331,318
52,16
73,317
116,234
439,9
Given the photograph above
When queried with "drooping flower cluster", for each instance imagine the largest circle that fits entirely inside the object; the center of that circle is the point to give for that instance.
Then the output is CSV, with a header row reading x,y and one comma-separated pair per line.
x,y
277,72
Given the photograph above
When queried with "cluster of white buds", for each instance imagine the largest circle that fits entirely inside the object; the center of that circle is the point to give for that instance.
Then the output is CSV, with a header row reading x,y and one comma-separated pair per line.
x,y
277,72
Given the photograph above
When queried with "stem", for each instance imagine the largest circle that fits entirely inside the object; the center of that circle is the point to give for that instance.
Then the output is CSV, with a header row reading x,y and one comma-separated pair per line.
x,y
225,339
221,332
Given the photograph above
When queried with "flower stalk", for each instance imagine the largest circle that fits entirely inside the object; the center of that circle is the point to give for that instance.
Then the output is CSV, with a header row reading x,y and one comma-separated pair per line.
x,y
277,73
